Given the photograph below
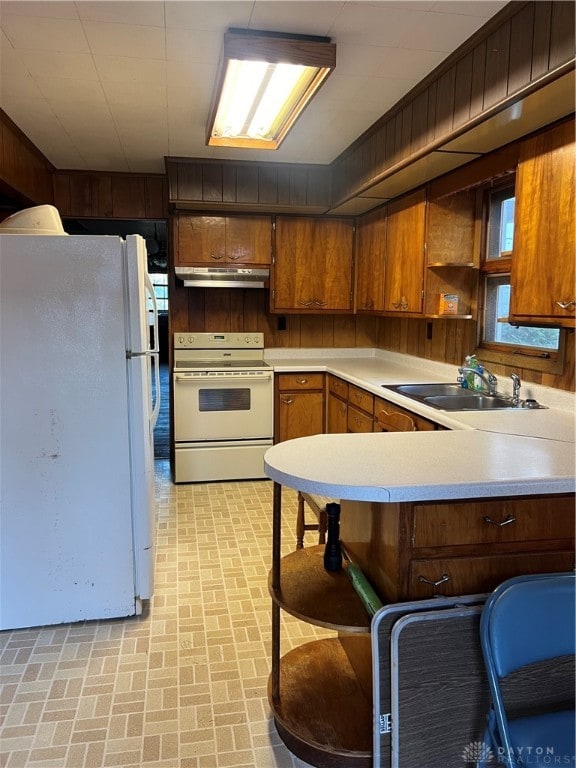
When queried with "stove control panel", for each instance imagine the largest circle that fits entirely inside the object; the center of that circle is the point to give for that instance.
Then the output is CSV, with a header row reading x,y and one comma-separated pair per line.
x,y
218,340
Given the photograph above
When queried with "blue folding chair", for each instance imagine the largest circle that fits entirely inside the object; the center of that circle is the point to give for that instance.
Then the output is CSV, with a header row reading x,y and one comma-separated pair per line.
x,y
528,619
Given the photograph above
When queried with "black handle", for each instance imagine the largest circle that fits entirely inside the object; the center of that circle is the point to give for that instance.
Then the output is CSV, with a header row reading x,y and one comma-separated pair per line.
x,y
333,551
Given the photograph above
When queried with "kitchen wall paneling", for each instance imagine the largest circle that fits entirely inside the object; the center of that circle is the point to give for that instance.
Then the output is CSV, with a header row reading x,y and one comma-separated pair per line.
x,y
25,174
247,186
117,195
524,43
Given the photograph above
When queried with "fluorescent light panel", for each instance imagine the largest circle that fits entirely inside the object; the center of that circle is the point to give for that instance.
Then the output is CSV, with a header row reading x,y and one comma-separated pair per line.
x,y
266,80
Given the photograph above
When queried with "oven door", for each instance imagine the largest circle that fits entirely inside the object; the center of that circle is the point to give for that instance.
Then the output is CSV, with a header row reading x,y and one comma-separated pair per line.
x,y
223,406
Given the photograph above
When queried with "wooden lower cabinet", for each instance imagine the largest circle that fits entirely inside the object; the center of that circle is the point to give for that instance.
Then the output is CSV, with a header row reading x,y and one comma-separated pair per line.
x,y
320,692
299,407
353,409
416,551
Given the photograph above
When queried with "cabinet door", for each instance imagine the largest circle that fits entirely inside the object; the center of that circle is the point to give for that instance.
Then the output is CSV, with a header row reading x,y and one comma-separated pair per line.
x,y
200,240
370,260
405,254
542,276
313,265
249,239
359,421
300,414
337,415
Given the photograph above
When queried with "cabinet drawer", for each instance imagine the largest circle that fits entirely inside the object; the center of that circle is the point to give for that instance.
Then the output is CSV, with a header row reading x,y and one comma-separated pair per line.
x,y
338,387
422,424
361,399
509,520
358,421
469,575
291,382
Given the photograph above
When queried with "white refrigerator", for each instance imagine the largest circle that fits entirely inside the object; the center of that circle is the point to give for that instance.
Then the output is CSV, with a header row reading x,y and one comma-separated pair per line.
x,y
77,509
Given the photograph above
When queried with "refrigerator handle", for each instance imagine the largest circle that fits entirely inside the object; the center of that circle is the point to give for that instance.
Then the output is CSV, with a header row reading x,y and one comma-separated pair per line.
x,y
150,288
155,360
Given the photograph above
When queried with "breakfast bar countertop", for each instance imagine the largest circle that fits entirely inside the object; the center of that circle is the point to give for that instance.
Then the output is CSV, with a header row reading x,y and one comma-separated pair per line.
x,y
422,466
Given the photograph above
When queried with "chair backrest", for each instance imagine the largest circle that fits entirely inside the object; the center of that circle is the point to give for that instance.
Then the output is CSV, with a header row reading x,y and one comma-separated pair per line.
x,y
395,422
529,619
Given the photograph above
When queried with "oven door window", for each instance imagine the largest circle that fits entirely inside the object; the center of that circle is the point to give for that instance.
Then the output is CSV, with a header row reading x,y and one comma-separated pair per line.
x,y
227,399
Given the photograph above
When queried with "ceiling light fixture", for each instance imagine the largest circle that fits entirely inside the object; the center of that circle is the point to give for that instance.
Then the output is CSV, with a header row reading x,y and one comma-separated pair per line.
x,y
265,80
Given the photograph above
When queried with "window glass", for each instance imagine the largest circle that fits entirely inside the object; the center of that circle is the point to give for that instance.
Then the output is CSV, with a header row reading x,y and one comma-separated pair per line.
x,y
498,330
497,335
500,223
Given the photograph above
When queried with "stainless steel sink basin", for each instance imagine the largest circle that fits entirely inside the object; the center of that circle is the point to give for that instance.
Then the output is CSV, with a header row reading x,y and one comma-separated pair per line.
x,y
428,390
469,402
453,397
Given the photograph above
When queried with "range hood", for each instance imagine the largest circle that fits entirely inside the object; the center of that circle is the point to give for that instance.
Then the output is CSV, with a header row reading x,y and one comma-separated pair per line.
x,y
223,277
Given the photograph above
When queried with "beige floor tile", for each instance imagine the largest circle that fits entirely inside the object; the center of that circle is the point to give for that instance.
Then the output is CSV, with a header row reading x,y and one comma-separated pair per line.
x,y
183,686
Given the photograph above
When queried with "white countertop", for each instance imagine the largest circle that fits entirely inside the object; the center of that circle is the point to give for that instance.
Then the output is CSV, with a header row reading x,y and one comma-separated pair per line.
x,y
419,466
486,454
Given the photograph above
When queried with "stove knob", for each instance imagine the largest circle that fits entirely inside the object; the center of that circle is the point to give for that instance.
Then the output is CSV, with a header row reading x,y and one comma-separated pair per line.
x,y
180,339
190,339
255,340
247,339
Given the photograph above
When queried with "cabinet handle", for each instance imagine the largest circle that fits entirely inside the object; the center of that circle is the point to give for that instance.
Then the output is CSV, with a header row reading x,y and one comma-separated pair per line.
x,y
500,523
566,304
357,420
286,400
432,583
320,303
343,409
368,304
301,381
233,256
307,303
216,256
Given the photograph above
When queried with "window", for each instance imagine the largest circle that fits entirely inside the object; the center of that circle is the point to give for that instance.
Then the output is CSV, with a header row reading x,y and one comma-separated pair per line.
x,y
526,346
160,285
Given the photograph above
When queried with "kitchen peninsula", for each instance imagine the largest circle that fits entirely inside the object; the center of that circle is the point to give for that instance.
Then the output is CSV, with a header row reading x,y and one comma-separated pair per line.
x,y
453,511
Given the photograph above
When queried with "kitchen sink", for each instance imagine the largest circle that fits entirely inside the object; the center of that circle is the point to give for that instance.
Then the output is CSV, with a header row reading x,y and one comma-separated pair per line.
x,y
453,397
469,402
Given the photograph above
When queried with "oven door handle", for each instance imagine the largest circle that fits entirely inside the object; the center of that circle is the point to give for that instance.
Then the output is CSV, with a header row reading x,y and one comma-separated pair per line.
x,y
182,378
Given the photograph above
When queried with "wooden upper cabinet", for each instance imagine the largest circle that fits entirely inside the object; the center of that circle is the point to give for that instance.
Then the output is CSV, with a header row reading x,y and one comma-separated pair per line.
x,y
542,276
223,240
404,285
313,267
370,261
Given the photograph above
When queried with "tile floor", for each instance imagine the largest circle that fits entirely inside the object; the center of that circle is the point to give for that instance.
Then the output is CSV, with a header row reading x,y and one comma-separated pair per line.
x,y
184,686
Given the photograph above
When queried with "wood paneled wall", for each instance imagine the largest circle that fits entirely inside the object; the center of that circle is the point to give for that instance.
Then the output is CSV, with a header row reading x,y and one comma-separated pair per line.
x,y
244,309
94,194
448,341
25,174
245,186
523,44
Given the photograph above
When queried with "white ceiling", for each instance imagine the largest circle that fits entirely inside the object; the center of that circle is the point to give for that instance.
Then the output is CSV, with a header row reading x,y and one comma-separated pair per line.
x,y
116,86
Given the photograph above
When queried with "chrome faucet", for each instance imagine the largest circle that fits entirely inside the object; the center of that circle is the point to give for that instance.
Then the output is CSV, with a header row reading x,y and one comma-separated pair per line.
x,y
488,378
515,388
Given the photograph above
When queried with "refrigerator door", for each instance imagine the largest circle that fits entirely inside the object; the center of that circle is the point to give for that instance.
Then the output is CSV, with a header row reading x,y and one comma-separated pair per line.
x,y
141,356
66,544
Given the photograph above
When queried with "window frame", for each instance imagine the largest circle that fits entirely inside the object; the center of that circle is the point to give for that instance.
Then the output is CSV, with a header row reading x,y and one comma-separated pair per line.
x,y
529,358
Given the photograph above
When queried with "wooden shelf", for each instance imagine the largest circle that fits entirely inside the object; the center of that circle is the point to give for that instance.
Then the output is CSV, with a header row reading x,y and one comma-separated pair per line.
x,y
323,716
312,594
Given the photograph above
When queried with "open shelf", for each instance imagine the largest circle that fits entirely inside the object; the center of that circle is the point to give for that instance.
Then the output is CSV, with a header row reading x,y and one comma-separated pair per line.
x,y
312,594
323,716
